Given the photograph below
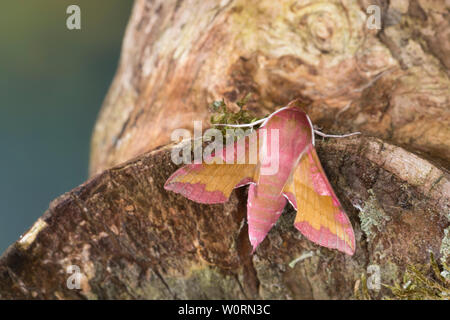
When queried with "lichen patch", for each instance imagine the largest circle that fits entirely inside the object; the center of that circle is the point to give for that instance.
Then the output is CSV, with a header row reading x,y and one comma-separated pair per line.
x,y
28,238
445,246
372,215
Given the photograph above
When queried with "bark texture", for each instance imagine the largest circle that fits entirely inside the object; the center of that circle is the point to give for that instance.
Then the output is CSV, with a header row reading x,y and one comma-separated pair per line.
x,y
132,239
179,56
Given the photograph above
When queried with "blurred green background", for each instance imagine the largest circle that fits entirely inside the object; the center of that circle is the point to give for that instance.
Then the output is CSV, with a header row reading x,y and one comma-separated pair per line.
x,y
52,84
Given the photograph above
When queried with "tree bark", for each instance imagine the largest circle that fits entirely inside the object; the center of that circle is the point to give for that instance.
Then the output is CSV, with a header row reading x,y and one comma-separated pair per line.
x,y
132,239
179,56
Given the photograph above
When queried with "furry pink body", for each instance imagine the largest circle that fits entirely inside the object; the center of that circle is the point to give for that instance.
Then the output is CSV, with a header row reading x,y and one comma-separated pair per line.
x,y
265,197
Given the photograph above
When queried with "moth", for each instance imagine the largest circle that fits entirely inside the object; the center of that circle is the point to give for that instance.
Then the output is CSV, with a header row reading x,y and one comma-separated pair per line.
x,y
299,180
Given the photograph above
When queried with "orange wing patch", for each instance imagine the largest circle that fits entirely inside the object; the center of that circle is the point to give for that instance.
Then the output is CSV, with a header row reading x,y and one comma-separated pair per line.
x,y
320,217
210,183
213,181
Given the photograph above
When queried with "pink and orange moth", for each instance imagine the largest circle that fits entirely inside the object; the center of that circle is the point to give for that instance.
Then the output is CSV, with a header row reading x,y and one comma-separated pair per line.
x,y
300,179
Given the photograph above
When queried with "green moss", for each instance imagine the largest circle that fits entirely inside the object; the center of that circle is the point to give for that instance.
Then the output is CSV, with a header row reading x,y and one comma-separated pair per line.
x,y
419,282
372,215
221,114
423,283
361,292
390,272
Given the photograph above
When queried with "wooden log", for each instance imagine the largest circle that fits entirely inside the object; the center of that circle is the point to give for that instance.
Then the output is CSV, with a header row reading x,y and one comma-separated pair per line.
x,y
132,239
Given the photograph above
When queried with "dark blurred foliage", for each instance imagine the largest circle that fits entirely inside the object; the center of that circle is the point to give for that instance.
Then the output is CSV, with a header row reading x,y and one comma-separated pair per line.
x,y
52,84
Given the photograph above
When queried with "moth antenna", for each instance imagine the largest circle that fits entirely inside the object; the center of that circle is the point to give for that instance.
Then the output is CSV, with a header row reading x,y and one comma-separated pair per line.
x,y
242,125
263,121
335,135
375,79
